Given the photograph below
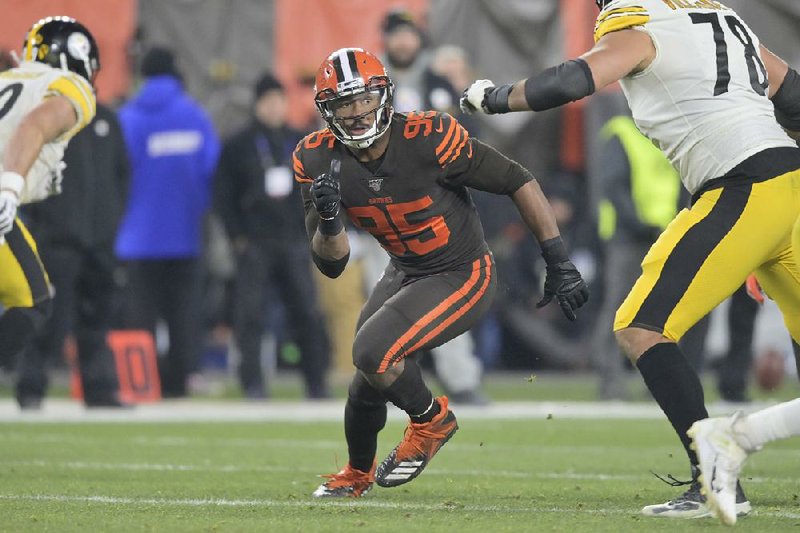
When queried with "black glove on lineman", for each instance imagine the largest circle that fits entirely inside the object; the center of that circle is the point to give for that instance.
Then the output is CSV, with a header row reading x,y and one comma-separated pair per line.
x,y
325,192
562,281
326,196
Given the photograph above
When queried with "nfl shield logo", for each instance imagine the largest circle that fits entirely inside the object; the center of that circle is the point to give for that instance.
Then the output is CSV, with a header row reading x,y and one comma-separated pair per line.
x,y
375,184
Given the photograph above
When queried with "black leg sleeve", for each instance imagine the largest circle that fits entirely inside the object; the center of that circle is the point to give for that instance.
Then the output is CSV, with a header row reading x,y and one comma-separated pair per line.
x,y
410,393
676,388
364,418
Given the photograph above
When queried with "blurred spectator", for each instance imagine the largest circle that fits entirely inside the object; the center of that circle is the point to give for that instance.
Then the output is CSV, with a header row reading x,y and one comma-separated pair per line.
x,y
452,63
408,62
642,194
173,150
258,200
75,231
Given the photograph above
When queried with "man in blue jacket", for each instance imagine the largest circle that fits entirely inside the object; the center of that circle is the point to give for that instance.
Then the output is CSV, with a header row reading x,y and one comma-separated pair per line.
x,y
173,151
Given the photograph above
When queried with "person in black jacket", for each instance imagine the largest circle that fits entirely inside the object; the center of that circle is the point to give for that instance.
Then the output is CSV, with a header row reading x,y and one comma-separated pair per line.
x,y
257,199
75,231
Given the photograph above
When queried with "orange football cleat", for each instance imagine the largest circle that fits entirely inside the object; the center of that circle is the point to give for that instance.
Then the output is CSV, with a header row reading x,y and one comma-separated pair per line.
x,y
347,483
420,443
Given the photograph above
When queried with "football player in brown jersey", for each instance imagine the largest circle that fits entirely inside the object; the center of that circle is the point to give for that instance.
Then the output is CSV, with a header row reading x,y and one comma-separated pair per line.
x,y
404,179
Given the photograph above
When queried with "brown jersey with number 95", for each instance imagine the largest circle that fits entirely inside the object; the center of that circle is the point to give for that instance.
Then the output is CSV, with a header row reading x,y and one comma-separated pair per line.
x,y
414,200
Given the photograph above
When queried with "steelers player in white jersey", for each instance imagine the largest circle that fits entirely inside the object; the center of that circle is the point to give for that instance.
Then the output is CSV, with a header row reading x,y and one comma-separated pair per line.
x,y
44,101
702,88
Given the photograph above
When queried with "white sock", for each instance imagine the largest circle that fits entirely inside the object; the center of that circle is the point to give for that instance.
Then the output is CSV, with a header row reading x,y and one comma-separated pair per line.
x,y
773,423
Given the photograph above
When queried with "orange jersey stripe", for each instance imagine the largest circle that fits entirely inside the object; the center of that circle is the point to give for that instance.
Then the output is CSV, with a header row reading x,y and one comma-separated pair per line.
x,y
447,136
430,316
460,134
460,312
460,147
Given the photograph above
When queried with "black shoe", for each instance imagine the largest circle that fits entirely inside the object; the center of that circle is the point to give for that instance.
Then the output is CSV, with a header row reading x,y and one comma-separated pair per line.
x,y
29,403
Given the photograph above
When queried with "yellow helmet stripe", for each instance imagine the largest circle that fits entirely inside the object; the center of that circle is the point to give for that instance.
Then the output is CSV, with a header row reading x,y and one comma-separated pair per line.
x,y
32,35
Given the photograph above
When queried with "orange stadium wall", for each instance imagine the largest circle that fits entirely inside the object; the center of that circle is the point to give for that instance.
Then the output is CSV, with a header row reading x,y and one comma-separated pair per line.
x,y
111,22
306,31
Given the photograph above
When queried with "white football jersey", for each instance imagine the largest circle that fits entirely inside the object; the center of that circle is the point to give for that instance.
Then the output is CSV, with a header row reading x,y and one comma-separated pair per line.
x,y
21,90
703,100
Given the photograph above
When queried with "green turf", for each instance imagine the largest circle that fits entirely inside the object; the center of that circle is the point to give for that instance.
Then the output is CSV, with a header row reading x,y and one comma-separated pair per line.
x,y
495,476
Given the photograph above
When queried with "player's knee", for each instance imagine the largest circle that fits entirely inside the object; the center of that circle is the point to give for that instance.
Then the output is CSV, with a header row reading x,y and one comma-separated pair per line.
x,y
366,354
633,342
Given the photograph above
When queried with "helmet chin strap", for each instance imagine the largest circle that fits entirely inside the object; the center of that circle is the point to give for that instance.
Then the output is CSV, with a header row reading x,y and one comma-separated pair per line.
x,y
365,140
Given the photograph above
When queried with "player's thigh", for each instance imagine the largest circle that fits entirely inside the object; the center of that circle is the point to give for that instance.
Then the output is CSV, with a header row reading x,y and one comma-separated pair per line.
x,y
704,255
425,313
388,285
780,279
23,280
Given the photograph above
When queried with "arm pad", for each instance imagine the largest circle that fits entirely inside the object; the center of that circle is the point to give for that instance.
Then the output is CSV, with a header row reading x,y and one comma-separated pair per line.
x,y
330,268
559,85
787,101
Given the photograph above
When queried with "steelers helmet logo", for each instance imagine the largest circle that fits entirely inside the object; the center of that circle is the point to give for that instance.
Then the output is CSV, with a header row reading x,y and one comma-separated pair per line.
x,y
78,46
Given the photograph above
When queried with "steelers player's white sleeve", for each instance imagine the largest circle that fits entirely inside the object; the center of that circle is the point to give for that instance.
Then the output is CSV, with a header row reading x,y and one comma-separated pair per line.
x,y
80,94
620,15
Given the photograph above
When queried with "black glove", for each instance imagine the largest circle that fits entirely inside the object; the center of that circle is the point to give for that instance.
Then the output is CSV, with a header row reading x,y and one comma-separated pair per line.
x,y
562,280
325,192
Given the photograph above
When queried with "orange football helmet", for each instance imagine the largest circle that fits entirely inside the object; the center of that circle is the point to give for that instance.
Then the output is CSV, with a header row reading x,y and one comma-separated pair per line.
x,y
347,72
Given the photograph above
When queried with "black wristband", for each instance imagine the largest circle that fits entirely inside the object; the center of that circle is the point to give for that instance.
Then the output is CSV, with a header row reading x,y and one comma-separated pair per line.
x,y
331,226
497,99
554,251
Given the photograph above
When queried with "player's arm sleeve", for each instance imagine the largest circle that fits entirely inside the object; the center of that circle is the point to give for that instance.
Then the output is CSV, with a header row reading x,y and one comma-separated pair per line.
x,y
80,95
787,101
489,170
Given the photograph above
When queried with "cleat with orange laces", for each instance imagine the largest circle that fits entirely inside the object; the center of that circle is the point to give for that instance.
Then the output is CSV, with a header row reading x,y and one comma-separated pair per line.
x,y
347,483
420,443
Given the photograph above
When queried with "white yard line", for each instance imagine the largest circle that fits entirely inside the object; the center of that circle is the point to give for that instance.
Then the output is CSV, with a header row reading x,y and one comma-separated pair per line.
x,y
367,502
432,471
60,410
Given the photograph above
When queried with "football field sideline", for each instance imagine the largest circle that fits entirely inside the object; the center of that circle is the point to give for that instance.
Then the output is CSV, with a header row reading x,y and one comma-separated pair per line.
x,y
64,410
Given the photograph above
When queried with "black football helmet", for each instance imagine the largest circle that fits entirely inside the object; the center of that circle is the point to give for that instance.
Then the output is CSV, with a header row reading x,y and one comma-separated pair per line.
x,y
64,43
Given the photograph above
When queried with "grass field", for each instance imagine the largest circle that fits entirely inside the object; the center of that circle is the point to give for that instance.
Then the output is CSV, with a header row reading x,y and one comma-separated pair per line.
x,y
566,472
